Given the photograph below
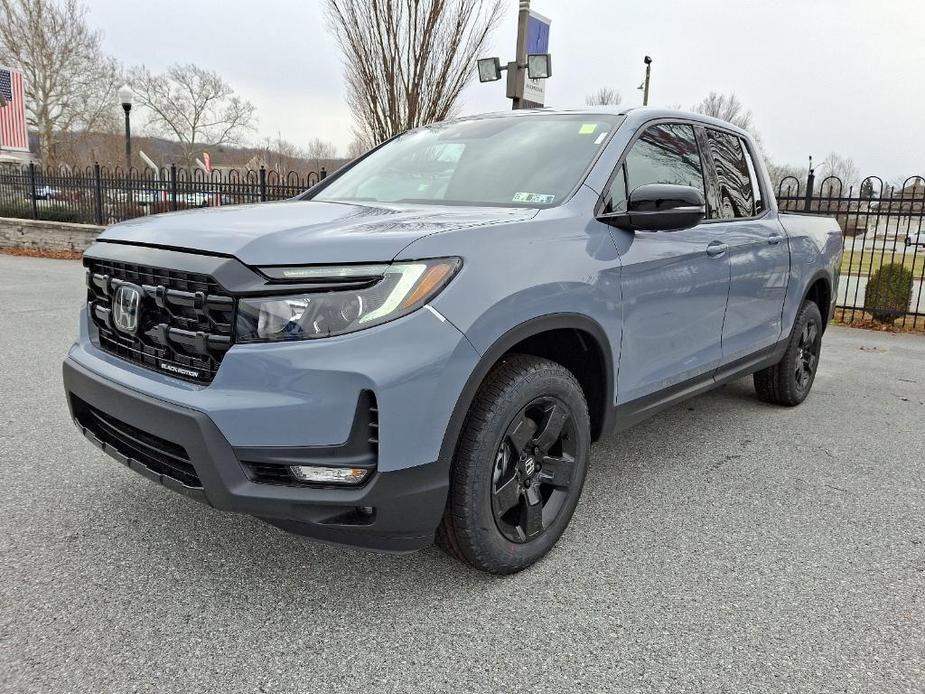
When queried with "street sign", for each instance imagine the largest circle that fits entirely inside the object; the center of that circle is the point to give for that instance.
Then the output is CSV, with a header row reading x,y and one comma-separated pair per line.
x,y
537,42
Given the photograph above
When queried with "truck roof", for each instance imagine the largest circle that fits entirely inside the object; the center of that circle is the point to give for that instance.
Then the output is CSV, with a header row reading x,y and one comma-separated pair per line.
x,y
636,115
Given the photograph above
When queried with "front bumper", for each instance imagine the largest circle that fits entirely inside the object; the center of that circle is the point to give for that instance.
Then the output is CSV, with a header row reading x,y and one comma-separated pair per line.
x,y
395,510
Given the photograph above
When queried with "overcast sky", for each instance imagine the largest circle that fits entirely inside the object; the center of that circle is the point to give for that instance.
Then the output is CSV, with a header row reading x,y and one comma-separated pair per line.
x,y
819,75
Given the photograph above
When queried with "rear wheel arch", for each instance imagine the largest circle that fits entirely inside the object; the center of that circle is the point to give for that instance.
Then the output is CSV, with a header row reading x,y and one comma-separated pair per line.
x,y
819,291
547,336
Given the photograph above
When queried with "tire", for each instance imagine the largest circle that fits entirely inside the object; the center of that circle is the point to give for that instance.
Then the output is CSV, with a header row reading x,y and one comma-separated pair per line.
x,y
525,444
789,381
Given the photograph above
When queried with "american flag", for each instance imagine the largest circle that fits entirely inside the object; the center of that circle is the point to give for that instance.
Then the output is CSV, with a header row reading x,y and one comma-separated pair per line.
x,y
13,134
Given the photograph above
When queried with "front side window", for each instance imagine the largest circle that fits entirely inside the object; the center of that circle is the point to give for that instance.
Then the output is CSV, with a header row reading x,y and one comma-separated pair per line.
x,y
666,153
526,161
735,197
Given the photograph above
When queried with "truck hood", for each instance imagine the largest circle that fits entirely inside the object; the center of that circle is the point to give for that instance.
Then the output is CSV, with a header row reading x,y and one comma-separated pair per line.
x,y
306,232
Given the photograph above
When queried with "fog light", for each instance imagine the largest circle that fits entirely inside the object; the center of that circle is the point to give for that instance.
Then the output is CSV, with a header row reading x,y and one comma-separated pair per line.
x,y
328,475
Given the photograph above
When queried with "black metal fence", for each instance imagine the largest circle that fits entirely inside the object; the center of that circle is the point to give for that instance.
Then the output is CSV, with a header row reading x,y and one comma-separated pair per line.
x,y
99,195
882,225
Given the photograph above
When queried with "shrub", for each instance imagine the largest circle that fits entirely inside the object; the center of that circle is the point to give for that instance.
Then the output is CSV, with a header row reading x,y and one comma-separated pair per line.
x,y
888,293
15,210
48,213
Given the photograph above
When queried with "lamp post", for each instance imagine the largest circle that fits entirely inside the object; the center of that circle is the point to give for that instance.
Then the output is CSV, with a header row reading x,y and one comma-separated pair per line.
x,y
125,98
645,93
532,33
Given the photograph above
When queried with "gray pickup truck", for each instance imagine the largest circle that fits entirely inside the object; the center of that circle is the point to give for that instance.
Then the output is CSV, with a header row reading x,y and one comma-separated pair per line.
x,y
426,343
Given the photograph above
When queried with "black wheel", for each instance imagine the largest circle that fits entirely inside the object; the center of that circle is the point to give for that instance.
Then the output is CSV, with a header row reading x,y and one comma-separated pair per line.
x,y
519,467
789,381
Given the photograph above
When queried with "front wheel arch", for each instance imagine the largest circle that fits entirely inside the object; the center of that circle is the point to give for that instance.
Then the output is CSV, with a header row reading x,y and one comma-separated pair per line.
x,y
519,334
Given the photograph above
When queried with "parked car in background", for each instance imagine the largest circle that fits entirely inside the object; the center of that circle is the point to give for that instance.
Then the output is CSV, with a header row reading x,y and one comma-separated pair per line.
x,y
145,197
427,342
195,199
916,238
45,193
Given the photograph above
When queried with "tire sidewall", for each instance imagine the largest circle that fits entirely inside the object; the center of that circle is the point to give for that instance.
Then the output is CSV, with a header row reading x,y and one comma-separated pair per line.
x,y
809,313
541,382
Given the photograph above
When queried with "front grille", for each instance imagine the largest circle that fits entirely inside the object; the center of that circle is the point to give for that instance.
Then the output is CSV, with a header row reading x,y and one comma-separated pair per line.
x,y
157,454
184,319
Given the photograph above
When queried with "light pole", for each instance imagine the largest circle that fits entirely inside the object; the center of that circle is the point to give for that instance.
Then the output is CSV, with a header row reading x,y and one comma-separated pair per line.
x,y
520,52
645,92
532,33
125,97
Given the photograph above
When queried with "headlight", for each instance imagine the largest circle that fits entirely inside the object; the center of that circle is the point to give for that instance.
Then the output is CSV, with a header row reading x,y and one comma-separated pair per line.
x,y
371,295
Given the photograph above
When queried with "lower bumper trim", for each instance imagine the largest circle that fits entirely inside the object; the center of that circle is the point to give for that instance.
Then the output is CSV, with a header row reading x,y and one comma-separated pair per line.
x,y
196,493
394,511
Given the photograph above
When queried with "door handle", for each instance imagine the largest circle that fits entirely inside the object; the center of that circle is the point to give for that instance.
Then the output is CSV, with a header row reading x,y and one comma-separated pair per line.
x,y
716,249
774,239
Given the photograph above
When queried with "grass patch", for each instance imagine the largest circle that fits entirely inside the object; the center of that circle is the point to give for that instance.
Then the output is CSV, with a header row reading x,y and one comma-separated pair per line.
x,y
870,261
47,213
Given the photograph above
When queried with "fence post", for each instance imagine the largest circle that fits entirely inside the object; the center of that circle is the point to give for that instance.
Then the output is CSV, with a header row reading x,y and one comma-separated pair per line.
x,y
173,187
98,193
810,182
263,184
35,204
324,174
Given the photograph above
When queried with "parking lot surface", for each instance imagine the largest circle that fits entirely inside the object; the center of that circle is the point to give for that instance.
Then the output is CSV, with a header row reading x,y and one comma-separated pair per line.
x,y
725,545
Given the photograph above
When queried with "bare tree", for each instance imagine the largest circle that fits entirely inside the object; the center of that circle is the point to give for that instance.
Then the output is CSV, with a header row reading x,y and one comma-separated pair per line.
x,y
280,155
778,173
604,96
70,85
841,167
357,148
194,105
320,149
726,107
408,60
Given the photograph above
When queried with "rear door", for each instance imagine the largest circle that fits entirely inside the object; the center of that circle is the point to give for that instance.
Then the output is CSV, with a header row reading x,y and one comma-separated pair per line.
x,y
674,283
759,254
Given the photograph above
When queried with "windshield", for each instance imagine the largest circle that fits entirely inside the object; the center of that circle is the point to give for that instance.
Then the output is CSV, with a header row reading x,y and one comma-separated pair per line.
x,y
529,161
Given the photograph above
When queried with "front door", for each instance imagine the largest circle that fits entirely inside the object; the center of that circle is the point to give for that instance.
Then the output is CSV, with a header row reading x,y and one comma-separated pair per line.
x,y
675,283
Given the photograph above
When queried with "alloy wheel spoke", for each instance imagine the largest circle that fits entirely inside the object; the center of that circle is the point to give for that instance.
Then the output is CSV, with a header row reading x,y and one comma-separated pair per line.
x,y
555,421
811,332
557,471
522,434
531,517
507,496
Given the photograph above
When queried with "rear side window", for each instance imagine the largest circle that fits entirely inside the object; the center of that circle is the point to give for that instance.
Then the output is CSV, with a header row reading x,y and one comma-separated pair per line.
x,y
753,175
665,153
735,197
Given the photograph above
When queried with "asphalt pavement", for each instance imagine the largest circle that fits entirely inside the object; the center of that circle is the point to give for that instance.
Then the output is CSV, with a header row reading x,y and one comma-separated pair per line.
x,y
725,545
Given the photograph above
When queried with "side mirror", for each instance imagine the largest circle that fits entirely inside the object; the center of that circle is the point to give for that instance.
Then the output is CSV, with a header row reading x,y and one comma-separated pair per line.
x,y
659,207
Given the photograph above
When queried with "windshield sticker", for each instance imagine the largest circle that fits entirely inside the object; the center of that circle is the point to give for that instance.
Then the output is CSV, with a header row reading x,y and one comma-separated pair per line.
x,y
587,128
600,138
536,198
